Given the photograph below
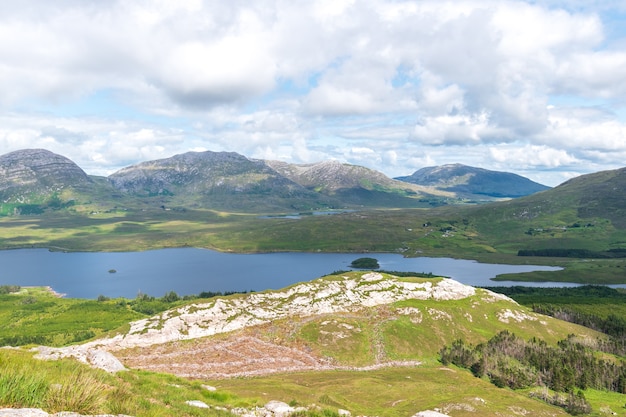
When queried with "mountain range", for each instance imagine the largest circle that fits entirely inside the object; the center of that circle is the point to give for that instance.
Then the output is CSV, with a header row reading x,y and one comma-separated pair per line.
x,y
230,181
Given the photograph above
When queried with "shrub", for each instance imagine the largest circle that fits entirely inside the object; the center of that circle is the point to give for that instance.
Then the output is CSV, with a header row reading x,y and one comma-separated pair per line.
x,y
8,289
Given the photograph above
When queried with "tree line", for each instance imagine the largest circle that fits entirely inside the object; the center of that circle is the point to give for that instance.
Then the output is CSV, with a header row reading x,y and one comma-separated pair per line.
x,y
509,361
564,303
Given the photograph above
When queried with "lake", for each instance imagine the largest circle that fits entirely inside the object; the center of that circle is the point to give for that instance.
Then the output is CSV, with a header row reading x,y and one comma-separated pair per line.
x,y
191,271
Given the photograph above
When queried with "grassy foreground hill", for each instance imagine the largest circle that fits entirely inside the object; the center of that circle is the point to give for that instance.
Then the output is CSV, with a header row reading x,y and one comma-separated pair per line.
x,y
363,342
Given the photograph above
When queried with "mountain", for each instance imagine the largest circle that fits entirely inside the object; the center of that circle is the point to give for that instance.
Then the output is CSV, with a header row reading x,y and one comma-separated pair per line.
x,y
354,184
228,180
472,182
37,173
583,217
225,180
34,179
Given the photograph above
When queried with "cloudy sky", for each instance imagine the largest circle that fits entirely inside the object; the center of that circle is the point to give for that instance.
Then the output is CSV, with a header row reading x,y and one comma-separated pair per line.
x,y
532,87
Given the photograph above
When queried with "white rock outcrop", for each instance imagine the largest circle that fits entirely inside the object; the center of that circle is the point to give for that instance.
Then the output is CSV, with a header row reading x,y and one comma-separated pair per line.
x,y
323,296
96,358
306,299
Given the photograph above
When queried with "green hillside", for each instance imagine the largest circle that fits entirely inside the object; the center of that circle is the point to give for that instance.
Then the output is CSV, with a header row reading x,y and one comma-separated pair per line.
x,y
381,359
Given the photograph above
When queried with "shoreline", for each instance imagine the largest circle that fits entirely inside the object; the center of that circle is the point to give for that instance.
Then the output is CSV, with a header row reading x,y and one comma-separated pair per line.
x,y
48,289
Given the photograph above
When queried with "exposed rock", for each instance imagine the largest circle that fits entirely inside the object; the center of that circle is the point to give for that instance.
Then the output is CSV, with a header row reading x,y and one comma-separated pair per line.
x,y
197,403
430,413
505,316
347,294
271,409
96,358
307,299
279,408
22,412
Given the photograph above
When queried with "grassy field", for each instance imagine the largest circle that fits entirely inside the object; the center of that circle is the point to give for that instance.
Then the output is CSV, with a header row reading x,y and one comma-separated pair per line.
x,y
36,316
66,385
393,392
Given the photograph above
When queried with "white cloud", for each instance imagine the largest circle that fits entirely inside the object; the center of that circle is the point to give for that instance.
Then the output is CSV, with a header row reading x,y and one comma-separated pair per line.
x,y
528,156
386,84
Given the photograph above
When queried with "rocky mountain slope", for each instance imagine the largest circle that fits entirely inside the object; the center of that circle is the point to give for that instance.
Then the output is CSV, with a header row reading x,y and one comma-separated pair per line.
x,y
230,180
214,180
36,174
472,182
353,183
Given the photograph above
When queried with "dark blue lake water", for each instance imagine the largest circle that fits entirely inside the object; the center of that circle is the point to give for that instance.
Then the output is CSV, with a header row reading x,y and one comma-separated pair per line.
x,y
191,271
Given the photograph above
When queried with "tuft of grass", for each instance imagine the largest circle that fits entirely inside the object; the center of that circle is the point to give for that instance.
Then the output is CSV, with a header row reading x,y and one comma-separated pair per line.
x,y
81,392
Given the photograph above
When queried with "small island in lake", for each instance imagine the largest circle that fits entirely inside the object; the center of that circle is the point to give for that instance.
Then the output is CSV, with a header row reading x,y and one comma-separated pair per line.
x,y
112,271
365,263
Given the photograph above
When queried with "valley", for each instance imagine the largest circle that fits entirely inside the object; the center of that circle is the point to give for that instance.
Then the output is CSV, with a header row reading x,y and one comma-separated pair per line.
x,y
361,342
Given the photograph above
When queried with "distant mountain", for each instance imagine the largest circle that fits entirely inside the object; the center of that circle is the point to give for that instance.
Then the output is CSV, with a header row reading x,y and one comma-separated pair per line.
x,y
228,180
34,175
232,182
471,182
215,180
354,184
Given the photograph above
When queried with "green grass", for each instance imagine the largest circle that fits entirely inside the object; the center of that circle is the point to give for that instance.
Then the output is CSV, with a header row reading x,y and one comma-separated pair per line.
x,y
358,338
391,392
35,316
66,385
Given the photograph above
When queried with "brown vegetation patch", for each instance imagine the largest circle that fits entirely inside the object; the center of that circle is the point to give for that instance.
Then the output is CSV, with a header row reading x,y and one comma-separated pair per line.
x,y
213,358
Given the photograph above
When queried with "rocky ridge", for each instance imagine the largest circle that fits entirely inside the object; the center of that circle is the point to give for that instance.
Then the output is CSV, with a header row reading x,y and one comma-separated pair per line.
x,y
198,172
222,315
240,317
308,299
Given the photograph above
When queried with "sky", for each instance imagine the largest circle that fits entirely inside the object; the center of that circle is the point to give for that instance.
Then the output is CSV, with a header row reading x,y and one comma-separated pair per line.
x,y
537,88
